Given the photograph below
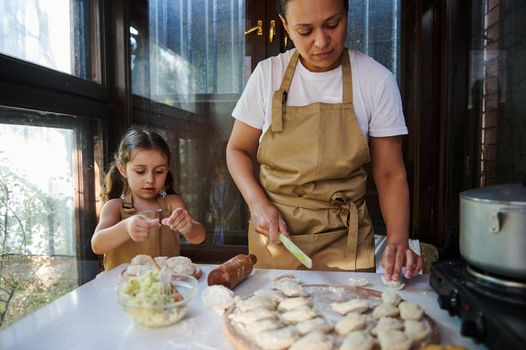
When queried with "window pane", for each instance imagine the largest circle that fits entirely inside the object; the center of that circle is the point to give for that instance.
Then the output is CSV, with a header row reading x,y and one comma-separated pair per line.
x,y
189,47
374,29
189,55
37,232
53,33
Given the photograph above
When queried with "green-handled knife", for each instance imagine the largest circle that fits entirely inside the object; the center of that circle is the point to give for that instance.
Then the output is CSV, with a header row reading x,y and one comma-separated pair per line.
x,y
291,247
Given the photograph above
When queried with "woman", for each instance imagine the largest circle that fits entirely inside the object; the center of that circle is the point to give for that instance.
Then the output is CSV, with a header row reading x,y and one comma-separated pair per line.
x,y
313,117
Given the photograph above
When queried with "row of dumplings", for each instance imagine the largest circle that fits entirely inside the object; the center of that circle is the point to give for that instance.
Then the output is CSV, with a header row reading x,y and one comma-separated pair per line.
x,y
285,318
392,333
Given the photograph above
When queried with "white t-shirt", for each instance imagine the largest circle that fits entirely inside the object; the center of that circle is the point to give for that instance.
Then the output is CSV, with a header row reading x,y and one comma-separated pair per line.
x,y
376,97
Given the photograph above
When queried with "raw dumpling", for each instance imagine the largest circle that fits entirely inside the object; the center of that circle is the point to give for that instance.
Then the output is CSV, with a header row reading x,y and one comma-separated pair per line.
x,y
416,330
349,323
252,315
317,323
385,310
316,340
277,338
275,295
141,259
161,260
360,282
181,265
386,323
391,297
393,284
285,276
410,311
290,288
218,298
263,325
299,314
392,339
358,340
292,303
353,305
254,302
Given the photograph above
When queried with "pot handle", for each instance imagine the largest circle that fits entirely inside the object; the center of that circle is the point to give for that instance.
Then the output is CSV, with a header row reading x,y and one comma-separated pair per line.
x,y
495,217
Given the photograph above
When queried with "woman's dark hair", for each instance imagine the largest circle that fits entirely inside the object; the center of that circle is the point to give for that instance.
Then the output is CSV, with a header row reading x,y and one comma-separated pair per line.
x,y
114,183
283,6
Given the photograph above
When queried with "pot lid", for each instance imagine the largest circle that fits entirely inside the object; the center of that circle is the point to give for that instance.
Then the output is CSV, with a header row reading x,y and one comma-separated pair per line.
x,y
504,194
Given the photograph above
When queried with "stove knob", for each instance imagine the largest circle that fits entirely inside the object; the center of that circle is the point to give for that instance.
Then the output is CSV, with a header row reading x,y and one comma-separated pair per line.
x,y
449,302
473,326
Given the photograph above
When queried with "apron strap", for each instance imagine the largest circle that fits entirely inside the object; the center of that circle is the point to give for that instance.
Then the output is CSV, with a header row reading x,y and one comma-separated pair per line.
x,y
347,77
127,200
280,97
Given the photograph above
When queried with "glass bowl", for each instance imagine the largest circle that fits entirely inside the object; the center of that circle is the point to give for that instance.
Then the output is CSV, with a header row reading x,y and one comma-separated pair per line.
x,y
147,309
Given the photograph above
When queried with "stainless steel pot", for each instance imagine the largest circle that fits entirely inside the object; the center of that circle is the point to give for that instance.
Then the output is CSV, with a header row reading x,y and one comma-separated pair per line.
x,y
493,229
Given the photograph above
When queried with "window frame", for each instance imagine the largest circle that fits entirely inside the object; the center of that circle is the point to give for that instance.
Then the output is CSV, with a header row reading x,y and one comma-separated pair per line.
x,y
98,111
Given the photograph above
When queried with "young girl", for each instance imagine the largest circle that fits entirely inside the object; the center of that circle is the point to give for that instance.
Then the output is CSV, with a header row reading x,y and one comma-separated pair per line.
x,y
142,214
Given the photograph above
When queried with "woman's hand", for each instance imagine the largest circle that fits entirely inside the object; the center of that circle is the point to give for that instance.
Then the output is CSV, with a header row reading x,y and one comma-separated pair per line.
x,y
140,226
398,255
268,220
180,220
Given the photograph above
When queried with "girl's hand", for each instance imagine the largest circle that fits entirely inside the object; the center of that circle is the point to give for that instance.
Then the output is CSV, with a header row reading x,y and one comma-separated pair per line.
x,y
180,220
268,221
140,226
398,255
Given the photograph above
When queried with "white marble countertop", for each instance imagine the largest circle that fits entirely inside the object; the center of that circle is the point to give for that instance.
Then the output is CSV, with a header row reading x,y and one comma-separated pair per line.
x,y
90,317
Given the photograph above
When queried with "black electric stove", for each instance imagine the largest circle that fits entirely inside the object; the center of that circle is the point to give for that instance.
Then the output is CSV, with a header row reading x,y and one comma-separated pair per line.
x,y
492,308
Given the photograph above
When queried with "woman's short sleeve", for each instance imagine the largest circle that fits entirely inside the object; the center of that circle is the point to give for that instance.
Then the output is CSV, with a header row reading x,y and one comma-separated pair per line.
x,y
250,108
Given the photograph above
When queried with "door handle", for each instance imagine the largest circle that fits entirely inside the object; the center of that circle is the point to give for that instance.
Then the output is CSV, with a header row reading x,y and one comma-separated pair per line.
x,y
272,31
258,27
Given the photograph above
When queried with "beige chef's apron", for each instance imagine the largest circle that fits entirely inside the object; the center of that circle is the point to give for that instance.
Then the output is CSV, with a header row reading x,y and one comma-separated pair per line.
x,y
161,242
311,168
